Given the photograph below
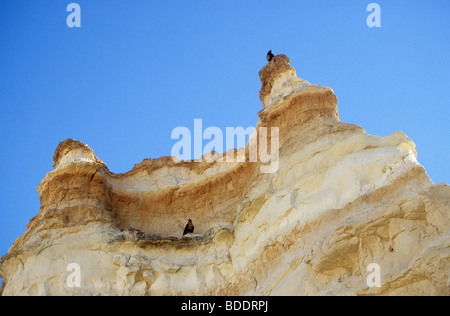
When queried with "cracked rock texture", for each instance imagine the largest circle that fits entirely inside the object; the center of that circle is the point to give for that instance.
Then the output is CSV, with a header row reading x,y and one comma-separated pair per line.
x,y
340,200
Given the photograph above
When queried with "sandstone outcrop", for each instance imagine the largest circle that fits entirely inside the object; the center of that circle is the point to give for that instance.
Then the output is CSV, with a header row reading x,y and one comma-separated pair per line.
x,y
340,200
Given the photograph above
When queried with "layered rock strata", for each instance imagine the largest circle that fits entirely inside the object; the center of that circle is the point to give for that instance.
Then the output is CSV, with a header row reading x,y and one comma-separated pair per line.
x,y
340,200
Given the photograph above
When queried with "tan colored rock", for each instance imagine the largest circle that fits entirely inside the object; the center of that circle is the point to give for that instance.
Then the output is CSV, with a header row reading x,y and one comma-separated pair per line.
x,y
339,201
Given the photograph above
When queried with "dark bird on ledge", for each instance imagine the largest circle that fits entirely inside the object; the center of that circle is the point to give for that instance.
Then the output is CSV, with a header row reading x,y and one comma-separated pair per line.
x,y
269,55
189,227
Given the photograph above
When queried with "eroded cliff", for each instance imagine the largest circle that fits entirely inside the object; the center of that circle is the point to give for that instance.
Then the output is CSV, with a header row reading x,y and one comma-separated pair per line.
x,y
339,200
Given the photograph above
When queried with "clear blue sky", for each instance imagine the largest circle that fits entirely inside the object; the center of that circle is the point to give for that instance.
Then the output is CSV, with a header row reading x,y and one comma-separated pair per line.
x,y
135,70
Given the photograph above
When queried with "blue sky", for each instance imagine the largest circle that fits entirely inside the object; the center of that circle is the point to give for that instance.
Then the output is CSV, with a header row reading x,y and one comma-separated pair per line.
x,y
133,72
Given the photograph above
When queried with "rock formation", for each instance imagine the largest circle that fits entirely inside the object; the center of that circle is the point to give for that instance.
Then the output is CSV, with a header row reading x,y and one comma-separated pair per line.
x,y
340,200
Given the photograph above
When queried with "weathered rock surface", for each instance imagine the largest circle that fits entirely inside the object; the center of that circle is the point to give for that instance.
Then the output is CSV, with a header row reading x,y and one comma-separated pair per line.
x,y
340,200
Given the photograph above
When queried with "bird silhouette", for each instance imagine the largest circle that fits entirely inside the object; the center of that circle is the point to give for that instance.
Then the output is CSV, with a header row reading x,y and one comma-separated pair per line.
x,y
189,227
269,55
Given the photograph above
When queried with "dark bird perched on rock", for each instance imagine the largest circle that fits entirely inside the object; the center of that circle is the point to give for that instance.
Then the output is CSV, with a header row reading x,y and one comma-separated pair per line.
x,y
269,55
189,227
